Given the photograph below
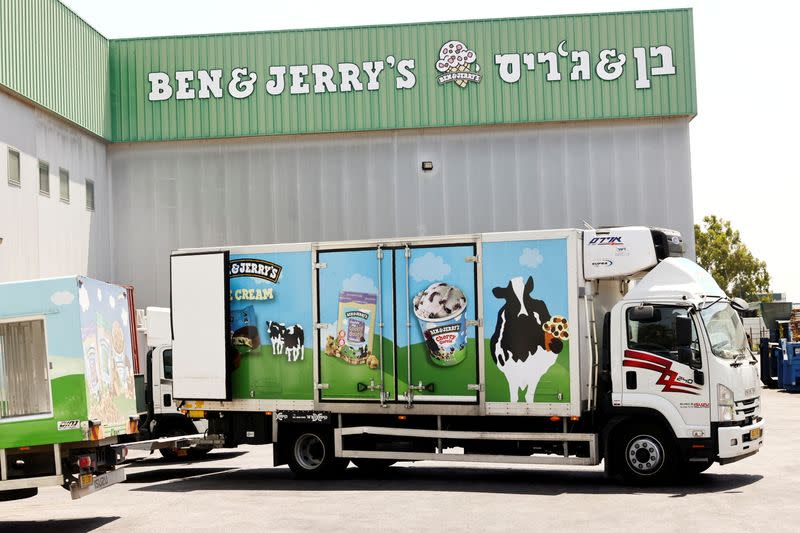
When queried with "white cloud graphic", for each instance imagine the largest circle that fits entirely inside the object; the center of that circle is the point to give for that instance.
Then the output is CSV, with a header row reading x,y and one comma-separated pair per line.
x,y
111,302
531,257
99,295
62,298
83,298
124,317
429,267
359,283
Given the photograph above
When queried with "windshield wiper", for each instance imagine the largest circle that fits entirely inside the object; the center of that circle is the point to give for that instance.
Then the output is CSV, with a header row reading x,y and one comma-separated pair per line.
x,y
736,359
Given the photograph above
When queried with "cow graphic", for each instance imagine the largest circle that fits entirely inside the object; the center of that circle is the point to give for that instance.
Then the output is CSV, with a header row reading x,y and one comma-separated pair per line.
x,y
276,332
518,343
293,340
289,340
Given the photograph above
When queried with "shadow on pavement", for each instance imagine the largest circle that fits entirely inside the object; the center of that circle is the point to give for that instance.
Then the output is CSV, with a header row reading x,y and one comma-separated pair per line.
x,y
65,525
157,460
157,475
468,480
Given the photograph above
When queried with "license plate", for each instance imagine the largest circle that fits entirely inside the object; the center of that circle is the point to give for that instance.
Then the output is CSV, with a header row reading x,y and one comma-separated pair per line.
x,y
755,433
96,483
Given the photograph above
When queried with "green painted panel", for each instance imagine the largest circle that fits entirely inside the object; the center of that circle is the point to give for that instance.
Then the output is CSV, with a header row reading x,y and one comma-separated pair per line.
x,y
52,57
542,80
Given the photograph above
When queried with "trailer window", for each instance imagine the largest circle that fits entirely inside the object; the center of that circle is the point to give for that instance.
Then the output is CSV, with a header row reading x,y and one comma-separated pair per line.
x,y
658,336
24,383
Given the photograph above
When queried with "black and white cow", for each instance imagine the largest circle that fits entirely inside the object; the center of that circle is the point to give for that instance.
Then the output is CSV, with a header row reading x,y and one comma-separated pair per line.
x,y
518,346
276,333
294,340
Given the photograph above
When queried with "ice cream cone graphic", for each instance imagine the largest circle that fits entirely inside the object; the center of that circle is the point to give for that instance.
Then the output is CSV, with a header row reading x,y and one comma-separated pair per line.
x,y
455,63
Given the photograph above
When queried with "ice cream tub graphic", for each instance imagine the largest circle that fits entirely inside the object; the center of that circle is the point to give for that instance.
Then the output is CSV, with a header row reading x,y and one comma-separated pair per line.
x,y
440,310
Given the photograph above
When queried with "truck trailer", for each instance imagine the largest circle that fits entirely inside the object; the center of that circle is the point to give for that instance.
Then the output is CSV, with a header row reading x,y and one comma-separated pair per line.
x,y
68,389
570,346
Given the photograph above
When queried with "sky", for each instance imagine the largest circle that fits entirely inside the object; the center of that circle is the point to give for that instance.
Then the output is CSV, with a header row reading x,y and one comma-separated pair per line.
x,y
744,140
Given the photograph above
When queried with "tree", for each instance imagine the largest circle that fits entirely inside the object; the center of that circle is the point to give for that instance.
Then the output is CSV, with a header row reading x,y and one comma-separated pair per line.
x,y
720,250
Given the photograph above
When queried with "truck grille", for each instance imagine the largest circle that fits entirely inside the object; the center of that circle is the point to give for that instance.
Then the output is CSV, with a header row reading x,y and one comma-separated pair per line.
x,y
748,407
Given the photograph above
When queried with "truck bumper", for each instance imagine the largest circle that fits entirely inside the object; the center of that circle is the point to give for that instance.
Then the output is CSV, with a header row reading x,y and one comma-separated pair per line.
x,y
100,482
738,442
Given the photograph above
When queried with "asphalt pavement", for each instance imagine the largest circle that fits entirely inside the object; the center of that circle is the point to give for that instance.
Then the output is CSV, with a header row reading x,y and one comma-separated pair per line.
x,y
238,490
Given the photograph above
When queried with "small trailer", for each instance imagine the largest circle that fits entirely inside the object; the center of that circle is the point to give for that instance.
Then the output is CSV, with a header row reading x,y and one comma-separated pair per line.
x,y
553,347
68,411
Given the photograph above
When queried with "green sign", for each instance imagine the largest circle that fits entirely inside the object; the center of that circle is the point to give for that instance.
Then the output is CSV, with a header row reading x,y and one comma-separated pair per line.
x,y
544,69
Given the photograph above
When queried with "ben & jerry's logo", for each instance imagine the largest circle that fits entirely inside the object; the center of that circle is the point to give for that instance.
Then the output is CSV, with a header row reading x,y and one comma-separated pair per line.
x,y
457,64
255,268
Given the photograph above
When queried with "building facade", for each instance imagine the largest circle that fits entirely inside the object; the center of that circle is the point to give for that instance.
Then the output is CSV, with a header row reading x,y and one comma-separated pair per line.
x,y
369,132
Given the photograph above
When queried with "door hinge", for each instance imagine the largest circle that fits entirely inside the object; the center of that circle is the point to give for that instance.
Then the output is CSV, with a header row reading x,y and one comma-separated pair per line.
x,y
475,323
323,386
475,386
320,325
473,259
320,266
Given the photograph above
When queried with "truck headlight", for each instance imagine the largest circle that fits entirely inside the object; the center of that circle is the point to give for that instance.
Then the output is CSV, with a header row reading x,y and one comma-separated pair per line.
x,y
725,403
725,413
724,395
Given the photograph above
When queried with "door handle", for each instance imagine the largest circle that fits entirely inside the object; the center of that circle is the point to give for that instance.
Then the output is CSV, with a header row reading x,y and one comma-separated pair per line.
x,y
630,379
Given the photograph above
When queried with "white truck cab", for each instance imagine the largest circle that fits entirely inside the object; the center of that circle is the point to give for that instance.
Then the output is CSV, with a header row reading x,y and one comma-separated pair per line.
x,y
163,416
710,389
677,350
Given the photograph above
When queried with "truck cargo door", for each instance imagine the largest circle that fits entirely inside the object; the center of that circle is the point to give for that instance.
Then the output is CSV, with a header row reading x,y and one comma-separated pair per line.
x,y
200,318
356,322
435,291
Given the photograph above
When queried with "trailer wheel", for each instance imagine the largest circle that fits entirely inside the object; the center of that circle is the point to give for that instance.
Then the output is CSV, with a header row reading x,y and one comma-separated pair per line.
x,y
311,455
644,455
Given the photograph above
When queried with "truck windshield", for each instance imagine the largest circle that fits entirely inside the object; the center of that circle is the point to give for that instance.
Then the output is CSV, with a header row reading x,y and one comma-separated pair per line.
x,y
725,331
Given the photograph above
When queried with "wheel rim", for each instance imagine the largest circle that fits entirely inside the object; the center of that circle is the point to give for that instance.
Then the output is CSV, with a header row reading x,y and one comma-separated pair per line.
x,y
645,455
309,451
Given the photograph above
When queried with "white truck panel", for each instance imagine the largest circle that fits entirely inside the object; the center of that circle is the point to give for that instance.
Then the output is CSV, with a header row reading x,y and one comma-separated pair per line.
x,y
199,325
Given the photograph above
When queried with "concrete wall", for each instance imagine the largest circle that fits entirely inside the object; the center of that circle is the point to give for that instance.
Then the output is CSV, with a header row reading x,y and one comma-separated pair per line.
x,y
43,236
327,187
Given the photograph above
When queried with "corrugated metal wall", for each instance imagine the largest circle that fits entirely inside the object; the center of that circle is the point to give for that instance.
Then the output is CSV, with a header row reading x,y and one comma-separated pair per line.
x,y
427,104
329,187
52,57
42,236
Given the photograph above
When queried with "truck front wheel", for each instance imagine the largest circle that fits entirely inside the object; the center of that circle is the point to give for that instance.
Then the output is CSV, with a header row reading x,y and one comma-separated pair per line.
x,y
311,455
644,454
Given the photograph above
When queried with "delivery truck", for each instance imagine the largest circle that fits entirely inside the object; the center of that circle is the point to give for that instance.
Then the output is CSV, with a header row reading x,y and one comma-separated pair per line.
x,y
68,402
567,347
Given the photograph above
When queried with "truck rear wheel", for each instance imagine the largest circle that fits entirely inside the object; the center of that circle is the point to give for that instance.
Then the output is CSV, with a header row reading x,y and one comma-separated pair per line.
x,y
311,455
644,455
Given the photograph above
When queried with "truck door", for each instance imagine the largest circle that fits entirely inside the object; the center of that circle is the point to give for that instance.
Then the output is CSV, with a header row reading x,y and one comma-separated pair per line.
x,y
355,315
435,294
652,374
200,317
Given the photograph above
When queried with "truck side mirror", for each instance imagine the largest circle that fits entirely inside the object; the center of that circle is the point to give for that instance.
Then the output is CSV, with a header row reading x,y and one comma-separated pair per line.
x,y
685,355
644,313
683,331
739,304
